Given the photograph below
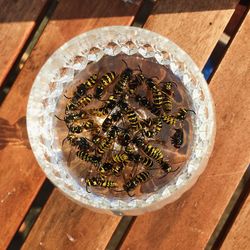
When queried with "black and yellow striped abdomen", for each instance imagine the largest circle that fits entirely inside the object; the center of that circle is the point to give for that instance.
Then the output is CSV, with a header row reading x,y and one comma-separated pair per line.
x,y
142,177
133,119
104,145
157,98
107,78
135,181
167,104
169,119
147,162
153,152
83,87
118,158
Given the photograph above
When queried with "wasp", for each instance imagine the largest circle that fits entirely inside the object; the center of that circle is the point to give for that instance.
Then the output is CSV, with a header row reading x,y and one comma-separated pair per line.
x,y
88,158
99,112
124,137
151,84
155,123
84,101
105,167
158,125
83,87
129,150
108,166
80,143
123,81
167,103
177,138
147,123
136,82
96,138
132,156
132,116
81,102
117,169
89,124
120,158
123,105
182,113
99,182
109,105
106,143
107,123
157,98
153,152
157,95
142,100
105,80
113,132
71,117
76,127
167,88
166,167
116,116
148,149
147,162
103,146
169,119
137,158
133,119
131,184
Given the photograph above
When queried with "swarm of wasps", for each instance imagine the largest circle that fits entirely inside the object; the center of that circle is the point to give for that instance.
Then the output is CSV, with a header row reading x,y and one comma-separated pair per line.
x,y
114,138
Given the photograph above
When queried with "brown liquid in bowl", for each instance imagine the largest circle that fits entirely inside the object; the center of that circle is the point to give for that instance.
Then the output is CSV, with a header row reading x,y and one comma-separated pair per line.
x,y
175,157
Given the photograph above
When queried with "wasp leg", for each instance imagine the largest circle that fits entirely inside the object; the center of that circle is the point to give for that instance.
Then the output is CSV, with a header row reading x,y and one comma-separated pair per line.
x,y
59,118
67,97
130,194
87,189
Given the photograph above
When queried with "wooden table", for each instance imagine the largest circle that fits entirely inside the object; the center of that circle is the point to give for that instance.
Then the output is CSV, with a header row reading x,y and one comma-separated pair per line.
x,y
214,213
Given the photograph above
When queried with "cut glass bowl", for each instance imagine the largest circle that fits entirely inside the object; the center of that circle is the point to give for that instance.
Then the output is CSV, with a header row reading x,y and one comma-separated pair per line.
x,y
73,57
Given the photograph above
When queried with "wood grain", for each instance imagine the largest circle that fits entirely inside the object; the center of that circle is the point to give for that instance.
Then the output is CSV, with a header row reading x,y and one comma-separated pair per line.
x,y
193,30
17,20
189,222
64,225
35,236
21,177
239,234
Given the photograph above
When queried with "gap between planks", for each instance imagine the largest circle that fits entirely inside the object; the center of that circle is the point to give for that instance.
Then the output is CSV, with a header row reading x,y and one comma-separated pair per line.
x,y
231,212
226,38
31,216
239,235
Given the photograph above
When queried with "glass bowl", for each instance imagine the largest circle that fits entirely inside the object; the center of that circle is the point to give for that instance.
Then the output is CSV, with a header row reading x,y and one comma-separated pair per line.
x,y
59,72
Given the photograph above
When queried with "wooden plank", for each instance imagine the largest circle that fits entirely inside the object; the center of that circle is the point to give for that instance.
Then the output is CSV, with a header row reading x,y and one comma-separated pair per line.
x,y
20,177
189,222
65,225
239,234
17,21
195,26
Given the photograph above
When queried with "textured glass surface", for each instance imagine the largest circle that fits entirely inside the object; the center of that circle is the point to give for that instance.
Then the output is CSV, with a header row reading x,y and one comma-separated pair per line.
x,y
59,71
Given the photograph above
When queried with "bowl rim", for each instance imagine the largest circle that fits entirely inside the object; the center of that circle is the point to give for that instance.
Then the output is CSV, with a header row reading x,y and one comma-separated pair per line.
x,y
103,204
